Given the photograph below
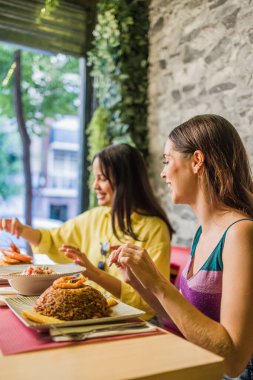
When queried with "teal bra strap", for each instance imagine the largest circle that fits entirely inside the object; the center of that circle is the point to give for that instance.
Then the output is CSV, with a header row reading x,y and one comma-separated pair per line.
x,y
214,262
195,241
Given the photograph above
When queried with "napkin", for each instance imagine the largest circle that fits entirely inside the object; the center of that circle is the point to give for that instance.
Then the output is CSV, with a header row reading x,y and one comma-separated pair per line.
x,y
30,340
3,281
7,290
78,333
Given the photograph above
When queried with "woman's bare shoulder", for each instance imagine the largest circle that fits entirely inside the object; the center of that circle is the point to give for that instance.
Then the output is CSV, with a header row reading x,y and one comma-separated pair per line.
x,y
239,239
242,225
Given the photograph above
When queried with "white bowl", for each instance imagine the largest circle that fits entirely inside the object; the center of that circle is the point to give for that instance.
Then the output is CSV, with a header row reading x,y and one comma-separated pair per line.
x,y
34,285
30,285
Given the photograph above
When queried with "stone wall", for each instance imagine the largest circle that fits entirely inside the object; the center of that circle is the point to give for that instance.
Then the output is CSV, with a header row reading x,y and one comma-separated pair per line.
x,y
201,61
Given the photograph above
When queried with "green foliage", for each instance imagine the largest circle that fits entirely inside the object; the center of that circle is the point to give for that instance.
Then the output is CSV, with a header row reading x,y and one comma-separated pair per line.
x,y
50,90
98,140
47,8
9,164
119,60
97,131
50,87
6,93
134,26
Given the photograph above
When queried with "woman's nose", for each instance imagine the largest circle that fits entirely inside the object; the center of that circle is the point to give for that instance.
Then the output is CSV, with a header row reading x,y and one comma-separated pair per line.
x,y
95,184
163,175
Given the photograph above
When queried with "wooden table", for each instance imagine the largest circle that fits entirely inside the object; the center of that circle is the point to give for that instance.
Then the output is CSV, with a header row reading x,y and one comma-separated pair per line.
x,y
157,357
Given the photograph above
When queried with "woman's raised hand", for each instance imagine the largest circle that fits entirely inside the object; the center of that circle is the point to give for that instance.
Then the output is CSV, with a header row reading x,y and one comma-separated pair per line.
x,y
126,273
78,257
12,225
134,261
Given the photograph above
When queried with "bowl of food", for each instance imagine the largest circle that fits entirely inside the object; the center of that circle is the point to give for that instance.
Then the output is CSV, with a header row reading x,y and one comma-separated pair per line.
x,y
32,280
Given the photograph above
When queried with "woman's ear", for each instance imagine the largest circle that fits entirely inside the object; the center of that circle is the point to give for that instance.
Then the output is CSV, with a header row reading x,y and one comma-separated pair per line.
x,y
198,159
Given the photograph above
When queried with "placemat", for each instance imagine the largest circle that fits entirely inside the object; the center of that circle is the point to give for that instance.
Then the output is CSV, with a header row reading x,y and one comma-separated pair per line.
x,y
16,338
3,281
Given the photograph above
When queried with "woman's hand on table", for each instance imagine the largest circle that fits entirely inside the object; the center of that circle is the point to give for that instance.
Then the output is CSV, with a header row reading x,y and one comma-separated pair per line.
x,y
135,263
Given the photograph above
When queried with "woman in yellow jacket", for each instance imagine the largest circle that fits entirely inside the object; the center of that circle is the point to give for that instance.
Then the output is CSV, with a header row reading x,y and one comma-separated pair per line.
x,y
127,213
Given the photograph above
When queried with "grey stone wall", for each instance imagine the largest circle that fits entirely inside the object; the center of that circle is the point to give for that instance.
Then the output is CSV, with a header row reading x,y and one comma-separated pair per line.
x,y
201,61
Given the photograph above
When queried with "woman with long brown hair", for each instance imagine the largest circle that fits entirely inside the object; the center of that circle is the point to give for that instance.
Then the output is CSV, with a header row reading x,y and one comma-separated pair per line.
x,y
127,212
206,166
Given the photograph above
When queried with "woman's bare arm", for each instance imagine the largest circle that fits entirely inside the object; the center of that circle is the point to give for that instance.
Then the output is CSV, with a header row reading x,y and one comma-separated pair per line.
x,y
231,338
15,227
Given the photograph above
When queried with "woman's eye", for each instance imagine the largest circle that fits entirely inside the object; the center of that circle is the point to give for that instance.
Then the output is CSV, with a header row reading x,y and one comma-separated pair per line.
x,y
165,162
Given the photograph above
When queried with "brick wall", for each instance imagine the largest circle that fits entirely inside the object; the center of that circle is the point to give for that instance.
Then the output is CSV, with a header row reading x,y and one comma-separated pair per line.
x,y
201,61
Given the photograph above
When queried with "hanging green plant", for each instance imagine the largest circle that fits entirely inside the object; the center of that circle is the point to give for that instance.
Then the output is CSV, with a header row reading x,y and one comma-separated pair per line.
x,y
97,135
133,19
119,60
47,8
97,131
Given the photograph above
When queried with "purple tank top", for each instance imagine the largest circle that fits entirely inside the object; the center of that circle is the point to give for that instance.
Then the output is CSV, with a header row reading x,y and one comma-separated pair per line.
x,y
204,289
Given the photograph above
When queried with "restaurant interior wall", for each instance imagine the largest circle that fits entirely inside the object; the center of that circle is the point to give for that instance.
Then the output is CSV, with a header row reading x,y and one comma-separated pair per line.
x,y
201,55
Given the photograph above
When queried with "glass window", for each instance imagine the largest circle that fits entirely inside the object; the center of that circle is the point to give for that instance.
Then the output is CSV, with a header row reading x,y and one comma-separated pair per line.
x,y
59,212
50,96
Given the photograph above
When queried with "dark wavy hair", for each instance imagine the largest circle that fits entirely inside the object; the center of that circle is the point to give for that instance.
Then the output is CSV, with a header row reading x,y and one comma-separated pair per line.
x,y
125,169
227,172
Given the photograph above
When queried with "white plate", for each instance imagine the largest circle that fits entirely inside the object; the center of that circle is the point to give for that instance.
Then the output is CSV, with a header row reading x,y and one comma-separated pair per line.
x,y
5,268
13,271
10,269
119,312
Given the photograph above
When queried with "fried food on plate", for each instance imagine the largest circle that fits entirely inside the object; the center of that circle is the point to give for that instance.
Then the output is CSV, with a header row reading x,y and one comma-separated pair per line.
x,y
111,302
13,256
70,299
39,318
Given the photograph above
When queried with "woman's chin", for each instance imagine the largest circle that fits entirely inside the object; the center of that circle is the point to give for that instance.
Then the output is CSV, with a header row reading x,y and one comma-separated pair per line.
x,y
103,202
172,196
175,199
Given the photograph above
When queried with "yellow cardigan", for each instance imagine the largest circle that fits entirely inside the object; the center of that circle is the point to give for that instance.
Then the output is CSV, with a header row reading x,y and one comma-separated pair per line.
x,y
88,230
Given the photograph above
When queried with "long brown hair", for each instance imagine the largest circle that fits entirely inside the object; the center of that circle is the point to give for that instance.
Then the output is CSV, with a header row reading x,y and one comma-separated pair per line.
x,y
227,171
125,169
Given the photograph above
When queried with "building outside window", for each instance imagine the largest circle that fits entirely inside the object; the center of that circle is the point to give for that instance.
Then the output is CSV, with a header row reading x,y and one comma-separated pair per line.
x,y
58,212
55,195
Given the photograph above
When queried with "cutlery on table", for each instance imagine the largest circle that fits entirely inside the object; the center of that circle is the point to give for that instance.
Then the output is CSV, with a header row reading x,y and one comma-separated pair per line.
x,y
58,334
